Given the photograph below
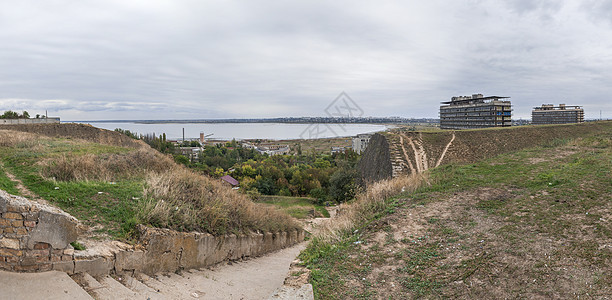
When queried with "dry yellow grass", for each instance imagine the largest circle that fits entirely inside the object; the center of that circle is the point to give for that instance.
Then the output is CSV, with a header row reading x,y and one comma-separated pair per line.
x,y
183,200
11,138
366,204
106,167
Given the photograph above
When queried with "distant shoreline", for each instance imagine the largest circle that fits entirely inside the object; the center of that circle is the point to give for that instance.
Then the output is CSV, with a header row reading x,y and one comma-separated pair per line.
x,y
292,120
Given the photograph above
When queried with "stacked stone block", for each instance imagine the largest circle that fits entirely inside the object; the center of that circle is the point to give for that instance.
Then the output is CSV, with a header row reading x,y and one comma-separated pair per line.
x,y
25,243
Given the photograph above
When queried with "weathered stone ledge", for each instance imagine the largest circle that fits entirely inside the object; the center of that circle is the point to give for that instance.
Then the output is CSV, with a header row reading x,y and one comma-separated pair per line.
x,y
36,238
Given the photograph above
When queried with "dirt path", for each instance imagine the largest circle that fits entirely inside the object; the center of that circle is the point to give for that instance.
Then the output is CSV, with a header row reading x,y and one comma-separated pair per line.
x,y
25,192
406,155
420,156
445,149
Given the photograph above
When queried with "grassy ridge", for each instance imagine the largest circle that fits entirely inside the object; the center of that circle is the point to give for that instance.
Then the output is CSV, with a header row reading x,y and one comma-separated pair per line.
x,y
113,188
533,223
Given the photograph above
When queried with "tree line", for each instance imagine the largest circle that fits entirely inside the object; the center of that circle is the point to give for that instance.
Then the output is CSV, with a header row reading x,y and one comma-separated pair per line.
x,y
325,177
9,114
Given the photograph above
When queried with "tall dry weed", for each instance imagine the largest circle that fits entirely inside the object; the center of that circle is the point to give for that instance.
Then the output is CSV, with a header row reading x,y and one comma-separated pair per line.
x,y
106,167
183,200
11,138
367,204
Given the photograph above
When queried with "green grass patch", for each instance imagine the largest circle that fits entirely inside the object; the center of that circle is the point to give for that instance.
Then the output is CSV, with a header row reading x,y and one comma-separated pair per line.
x,y
7,184
110,204
297,207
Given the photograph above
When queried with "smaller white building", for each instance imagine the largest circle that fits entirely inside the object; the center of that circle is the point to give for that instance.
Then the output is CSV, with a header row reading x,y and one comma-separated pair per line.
x,y
360,142
274,149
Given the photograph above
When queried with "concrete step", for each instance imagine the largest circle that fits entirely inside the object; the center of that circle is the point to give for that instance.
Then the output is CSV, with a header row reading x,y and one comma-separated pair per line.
x,y
116,290
142,289
165,285
106,288
87,282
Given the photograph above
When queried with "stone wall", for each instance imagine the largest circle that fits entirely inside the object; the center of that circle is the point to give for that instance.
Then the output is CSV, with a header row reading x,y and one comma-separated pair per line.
x,y
33,237
164,250
36,238
375,163
30,121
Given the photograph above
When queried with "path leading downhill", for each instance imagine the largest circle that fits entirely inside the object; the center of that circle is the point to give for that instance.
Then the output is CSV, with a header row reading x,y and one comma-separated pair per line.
x,y
256,278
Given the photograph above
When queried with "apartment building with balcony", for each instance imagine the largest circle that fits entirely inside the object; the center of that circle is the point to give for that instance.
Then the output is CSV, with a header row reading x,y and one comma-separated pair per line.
x,y
476,111
562,114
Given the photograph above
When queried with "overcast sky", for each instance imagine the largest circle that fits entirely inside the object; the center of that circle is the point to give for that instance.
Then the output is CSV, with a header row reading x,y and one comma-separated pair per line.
x,y
93,60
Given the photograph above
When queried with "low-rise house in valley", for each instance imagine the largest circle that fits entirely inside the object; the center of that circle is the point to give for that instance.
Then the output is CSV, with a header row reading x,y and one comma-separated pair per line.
x,y
338,150
231,181
248,145
273,149
193,153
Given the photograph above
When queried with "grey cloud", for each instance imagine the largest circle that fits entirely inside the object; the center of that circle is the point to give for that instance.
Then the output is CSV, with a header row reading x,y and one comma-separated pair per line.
x,y
198,59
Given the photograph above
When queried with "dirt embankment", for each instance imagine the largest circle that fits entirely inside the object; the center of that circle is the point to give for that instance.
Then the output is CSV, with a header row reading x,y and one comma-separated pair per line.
x,y
78,131
403,149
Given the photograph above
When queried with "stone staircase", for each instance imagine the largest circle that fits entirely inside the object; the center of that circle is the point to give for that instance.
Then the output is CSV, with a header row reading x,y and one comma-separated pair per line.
x,y
257,278
126,287
398,160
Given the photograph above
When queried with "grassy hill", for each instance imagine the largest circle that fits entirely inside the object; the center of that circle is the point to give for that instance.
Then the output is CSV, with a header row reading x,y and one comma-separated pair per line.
x,y
533,223
112,183
408,149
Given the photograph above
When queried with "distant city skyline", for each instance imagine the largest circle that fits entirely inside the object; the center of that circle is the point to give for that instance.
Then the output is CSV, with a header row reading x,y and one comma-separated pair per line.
x,y
147,60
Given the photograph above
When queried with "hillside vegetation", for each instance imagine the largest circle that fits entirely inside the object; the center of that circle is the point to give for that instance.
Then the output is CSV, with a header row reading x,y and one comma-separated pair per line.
x,y
111,183
413,150
534,223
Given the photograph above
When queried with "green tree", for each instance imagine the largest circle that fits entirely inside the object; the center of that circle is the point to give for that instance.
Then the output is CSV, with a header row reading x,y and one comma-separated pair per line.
x,y
9,114
342,185
319,194
266,186
181,159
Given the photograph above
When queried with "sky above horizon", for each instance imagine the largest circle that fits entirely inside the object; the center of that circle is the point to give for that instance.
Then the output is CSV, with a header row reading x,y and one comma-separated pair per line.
x,y
189,59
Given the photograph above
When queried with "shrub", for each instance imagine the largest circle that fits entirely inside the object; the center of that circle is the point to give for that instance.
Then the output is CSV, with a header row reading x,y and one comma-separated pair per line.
x,y
319,194
183,200
342,186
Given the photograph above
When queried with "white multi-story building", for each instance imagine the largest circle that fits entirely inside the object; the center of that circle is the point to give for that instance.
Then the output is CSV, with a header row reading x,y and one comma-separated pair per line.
x,y
360,142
